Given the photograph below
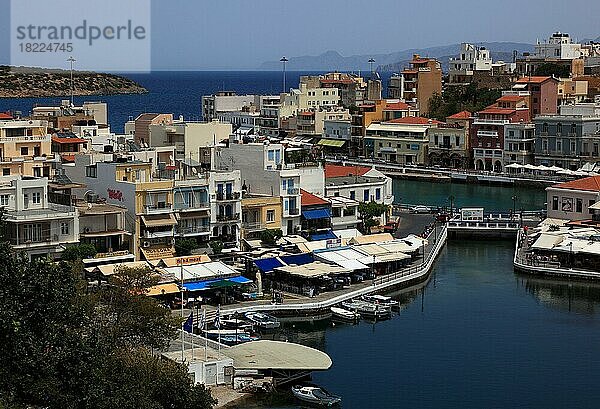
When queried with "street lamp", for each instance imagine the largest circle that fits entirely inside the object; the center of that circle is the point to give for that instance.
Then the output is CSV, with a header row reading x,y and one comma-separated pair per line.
x,y
283,61
514,199
451,199
72,60
371,62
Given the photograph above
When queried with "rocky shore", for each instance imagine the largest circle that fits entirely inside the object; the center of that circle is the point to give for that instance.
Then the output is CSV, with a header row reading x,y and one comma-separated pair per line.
x,y
22,82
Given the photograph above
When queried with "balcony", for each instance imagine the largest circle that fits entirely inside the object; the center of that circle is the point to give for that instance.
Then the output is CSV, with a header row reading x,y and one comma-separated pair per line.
x,y
293,211
228,217
192,230
159,208
192,206
293,191
253,226
158,234
487,134
45,138
222,197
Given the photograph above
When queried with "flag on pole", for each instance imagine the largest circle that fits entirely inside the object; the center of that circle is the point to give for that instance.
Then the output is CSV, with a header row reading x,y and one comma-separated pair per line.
x,y
218,318
188,325
202,323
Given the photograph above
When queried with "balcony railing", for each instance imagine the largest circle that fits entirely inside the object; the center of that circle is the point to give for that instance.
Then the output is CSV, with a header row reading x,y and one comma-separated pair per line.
x,y
293,191
192,206
228,217
183,230
294,211
483,134
45,138
159,208
158,234
253,226
228,196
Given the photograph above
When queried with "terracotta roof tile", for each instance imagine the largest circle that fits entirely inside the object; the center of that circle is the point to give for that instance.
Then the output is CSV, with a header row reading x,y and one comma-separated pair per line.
x,y
334,171
396,106
308,199
5,115
591,183
510,98
68,140
461,115
533,80
414,120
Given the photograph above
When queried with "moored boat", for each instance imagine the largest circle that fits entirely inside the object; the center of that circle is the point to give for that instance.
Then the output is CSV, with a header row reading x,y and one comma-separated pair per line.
x,y
262,320
237,339
344,314
368,309
315,395
382,300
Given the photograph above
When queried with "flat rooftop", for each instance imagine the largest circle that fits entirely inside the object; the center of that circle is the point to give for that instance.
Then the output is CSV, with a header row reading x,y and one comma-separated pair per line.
x,y
263,355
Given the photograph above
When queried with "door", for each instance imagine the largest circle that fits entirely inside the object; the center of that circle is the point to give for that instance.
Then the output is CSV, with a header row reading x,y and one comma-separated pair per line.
x,y
290,227
210,374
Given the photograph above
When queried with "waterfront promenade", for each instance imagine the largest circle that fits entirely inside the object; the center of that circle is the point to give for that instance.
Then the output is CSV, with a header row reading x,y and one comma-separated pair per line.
x,y
416,272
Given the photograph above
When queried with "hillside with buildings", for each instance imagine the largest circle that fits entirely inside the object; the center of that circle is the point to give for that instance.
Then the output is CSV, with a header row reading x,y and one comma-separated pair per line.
x,y
24,82
391,61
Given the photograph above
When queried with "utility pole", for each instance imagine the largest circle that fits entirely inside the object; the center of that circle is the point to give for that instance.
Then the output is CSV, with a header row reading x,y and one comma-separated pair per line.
x,y
72,61
284,61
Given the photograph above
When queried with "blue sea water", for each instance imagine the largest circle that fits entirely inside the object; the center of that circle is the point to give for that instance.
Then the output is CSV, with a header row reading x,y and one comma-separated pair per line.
x,y
176,92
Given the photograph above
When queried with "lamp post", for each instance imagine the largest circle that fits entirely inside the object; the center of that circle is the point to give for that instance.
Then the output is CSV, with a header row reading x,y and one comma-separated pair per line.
x,y
371,62
283,61
72,60
514,200
451,199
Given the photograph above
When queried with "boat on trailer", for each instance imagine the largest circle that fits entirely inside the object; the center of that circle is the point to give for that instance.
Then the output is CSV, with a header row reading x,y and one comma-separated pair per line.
x,y
344,314
315,395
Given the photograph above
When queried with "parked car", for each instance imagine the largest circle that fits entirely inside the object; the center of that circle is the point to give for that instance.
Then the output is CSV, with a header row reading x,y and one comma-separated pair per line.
x,y
420,209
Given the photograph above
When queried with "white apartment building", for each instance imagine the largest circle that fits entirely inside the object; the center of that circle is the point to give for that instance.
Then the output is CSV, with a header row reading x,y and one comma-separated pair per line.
x,y
304,98
559,46
470,59
33,225
264,171
192,140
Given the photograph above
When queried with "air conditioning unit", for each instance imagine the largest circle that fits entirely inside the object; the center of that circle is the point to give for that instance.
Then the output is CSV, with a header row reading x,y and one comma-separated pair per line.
x,y
128,170
86,230
146,244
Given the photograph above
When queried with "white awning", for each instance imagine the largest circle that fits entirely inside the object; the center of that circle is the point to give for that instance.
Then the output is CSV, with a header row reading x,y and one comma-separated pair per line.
x,y
546,242
202,271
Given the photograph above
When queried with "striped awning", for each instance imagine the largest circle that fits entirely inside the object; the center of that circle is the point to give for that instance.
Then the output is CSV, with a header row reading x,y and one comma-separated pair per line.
x,y
331,142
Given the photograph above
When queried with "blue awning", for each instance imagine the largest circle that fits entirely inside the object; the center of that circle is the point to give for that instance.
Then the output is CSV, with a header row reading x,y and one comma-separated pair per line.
x,y
323,236
298,259
267,264
208,284
316,214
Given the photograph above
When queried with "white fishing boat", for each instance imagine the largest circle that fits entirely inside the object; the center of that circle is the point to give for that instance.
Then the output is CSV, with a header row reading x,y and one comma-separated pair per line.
x,y
262,320
382,300
344,314
315,395
367,309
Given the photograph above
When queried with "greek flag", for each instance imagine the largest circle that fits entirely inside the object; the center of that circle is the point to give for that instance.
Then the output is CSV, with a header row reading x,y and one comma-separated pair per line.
x,y
217,323
188,325
202,323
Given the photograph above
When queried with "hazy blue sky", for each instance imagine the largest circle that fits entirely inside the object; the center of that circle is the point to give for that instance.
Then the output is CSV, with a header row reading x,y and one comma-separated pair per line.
x,y
240,34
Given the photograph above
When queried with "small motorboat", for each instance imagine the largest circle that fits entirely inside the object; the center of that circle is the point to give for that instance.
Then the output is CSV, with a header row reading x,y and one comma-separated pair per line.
x,y
262,320
382,300
315,395
240,324
344,314
237,339
367,309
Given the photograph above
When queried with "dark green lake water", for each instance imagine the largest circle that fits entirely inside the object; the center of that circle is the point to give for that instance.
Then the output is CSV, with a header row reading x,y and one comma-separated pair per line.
x,y
476,335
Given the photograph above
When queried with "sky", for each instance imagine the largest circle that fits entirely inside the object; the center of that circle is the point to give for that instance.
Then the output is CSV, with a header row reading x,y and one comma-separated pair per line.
x,y
241,34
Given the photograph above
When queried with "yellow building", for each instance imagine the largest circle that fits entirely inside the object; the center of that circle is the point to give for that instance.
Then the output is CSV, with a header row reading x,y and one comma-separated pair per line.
x,y
260,213
25,148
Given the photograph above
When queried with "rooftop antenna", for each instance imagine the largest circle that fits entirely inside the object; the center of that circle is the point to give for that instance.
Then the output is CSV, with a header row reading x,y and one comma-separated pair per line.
x,y
72,60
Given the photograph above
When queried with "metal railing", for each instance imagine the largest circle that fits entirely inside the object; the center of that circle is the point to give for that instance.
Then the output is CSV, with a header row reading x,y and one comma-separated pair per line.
x,y
192,229
228,217
228,196
158,208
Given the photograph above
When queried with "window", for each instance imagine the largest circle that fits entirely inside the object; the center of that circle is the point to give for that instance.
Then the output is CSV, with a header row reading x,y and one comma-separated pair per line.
x,y
554,202
579,206
32,232
457,141
3,200
64,228
24,151
573,129
36,198
558,128
559,146
271,155
378,194
6,172
352,194
366,195
435,139
270,216
573,149
545,127
91,171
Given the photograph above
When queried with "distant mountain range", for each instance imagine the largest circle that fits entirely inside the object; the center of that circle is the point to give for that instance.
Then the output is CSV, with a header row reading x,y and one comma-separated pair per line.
x,y
332,60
